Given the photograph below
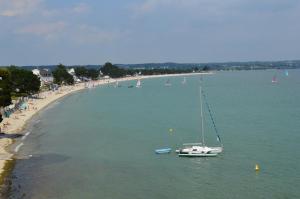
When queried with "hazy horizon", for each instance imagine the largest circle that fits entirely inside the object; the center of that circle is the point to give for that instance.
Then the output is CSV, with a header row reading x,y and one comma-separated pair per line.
x,y
167,62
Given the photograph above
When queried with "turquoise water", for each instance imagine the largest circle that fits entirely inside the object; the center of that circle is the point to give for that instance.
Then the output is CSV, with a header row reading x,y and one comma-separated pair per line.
x,y
100,143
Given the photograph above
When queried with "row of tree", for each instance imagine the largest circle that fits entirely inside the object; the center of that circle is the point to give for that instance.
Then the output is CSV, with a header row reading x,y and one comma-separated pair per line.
x,y
113,71
83,72
61,75
116,72
15,81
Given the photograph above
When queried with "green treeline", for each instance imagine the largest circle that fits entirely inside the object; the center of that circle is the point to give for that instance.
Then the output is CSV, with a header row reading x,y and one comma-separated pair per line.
x,y
5,87
112,70
83,72
23,82
61,76
18,82
115,71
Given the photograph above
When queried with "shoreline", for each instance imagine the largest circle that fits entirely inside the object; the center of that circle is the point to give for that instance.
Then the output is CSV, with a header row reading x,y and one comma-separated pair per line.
x,y
18,120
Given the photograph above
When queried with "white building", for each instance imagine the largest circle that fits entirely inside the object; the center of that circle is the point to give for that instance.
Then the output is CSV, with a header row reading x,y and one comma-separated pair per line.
x,y
45,76
71,71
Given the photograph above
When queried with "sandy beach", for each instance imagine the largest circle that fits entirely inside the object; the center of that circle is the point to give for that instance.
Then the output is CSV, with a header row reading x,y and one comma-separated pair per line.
x,y
17,121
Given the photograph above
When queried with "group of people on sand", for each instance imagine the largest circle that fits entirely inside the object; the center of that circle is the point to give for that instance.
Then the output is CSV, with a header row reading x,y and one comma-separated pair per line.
x,y
17,108
25,104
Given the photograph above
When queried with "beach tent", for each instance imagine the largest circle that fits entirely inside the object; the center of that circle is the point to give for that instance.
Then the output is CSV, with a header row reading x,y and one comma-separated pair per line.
x,y
23,106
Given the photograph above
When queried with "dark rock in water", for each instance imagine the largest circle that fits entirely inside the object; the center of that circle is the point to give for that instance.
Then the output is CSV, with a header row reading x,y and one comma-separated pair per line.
x,y
11,136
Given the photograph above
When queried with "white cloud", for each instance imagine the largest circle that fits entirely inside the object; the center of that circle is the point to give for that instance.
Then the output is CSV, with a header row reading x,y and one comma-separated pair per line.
x,y
12,8
81,8
52,24
217,7
73,33
85,34
146,6
150,5
45,30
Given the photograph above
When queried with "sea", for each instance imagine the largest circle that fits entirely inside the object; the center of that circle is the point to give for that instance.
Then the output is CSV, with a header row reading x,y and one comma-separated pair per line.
x,y
101,142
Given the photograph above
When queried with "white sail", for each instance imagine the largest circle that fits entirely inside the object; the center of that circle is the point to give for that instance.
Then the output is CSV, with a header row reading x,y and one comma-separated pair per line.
x,y
274,79
116,84
138,83
184,81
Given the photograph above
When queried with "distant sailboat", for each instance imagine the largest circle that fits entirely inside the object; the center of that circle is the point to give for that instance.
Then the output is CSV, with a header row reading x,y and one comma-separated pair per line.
x,y
168,83
138,83
274,79
116,84
89,85
286,72
183,81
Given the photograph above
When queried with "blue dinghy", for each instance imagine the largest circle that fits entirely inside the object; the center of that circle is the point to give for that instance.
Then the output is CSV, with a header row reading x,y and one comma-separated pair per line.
x,y
164,150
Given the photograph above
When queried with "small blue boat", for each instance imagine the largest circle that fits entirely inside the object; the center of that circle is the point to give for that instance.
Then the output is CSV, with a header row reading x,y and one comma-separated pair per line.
x,y
163,150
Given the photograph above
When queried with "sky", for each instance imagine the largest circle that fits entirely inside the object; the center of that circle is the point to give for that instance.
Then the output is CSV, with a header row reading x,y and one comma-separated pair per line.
x,y
42,32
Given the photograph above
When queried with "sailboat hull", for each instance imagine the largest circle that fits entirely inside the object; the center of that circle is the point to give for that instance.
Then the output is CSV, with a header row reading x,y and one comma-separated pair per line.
x,y
199,151
216,149
197,154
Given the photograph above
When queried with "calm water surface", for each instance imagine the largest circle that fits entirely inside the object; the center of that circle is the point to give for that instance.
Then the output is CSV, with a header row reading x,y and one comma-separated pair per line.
x,y
100,143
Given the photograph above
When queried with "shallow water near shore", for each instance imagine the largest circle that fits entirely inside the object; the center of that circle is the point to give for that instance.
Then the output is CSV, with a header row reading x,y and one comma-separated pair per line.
x,y
99,143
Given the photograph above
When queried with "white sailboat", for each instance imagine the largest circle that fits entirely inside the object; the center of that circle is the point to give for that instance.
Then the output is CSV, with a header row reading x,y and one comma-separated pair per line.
x,y
200,149
183,81
138,83
286,72
89,85
116,84
274,79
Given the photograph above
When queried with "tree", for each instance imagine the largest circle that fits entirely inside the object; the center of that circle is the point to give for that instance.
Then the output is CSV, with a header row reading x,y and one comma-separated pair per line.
x,y
93,73
5,88
88,73
206,68
81,71
61,75
112,70
23,82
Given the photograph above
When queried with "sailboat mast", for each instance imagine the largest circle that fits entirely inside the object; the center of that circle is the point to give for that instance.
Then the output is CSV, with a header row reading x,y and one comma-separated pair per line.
x,y
202,123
